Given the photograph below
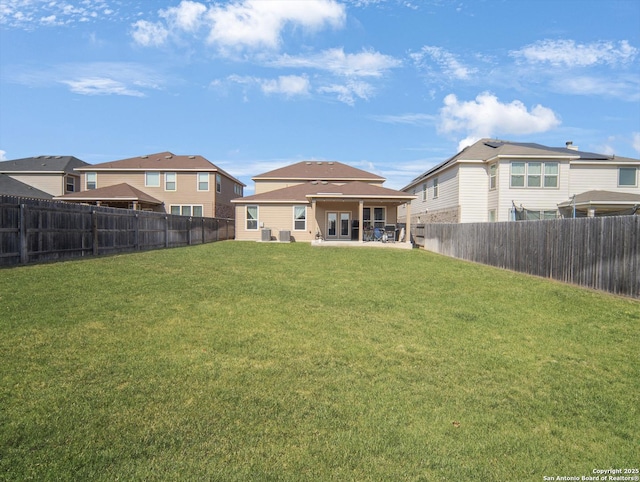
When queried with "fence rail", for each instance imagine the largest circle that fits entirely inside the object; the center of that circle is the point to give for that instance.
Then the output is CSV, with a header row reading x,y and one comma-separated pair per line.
x,y
33,231
601,253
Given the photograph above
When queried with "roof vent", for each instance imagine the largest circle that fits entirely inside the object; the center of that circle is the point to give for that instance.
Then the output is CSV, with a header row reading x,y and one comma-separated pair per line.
x,y
308,163
58,157
330,163
319,162
192,157
314,182
168,157
144,157
325,182
570,145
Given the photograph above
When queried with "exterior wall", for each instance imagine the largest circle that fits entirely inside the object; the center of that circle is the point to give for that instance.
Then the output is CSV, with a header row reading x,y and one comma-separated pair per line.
x,y
186,193
474,193
279,217
266,186
53,184
591,177
276,217
442,209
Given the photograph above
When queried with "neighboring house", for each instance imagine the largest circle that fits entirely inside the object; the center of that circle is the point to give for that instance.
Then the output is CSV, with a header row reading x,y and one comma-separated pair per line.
x,y
313,200
11,187
162,182
494,180
54,175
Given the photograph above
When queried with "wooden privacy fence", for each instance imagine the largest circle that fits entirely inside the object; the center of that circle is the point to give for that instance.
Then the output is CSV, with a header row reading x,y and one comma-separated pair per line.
x,y
33,231
601,253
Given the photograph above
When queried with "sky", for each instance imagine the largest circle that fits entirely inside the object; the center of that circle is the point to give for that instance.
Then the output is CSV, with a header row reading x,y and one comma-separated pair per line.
x,y
393,87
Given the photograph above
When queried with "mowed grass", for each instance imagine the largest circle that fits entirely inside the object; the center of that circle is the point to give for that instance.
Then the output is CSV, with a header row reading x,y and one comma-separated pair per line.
x,y
245,361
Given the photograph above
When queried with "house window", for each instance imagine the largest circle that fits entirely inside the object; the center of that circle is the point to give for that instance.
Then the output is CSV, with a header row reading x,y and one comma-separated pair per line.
x,y
92,180
300,218
218,183
379,217
492,216
237,189
187,210
170,179
493,171
152,179
534,174
424,191
203,181
627,176
435,187
252,218
70,183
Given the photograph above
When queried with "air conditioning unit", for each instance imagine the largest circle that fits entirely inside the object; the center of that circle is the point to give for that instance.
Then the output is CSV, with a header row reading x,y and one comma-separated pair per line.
x,y
266,235
285,236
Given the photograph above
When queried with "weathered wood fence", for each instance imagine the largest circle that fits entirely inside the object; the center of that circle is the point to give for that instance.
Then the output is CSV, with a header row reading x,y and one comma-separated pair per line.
x,y
33,231
601,253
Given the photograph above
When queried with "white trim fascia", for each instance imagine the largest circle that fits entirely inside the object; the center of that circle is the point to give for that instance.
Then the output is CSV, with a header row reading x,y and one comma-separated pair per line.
x,y
141,169
607,162
9,173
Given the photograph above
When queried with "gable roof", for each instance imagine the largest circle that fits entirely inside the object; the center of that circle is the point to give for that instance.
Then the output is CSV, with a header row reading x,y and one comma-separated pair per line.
x,y
489,149
319,171
161,161
42,164
13,187
117,192
602,198
304,193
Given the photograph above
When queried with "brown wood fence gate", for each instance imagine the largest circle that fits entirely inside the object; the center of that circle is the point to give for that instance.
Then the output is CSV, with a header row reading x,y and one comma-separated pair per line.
x,y
601,253
33,231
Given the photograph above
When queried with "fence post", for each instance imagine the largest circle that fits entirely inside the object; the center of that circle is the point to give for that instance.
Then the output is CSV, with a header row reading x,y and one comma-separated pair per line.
x,y
136,232
202,223
24,254
189,231
166,231
94,232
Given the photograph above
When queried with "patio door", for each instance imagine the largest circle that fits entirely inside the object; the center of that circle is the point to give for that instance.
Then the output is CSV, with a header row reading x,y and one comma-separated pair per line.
x,y
338,225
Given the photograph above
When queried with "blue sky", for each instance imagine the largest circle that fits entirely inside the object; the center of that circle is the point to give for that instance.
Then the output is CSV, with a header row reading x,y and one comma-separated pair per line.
x,y
390,86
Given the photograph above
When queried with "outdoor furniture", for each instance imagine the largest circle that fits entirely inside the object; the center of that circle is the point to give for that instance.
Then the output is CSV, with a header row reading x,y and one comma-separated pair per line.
x,y
390,232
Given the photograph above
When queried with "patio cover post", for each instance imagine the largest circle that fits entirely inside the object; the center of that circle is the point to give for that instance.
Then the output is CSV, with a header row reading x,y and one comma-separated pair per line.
x,y
408,227
313,216
360,224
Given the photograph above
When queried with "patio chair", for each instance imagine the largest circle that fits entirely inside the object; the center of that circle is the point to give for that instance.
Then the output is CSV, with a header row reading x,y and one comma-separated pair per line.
x,y
377,234
390,232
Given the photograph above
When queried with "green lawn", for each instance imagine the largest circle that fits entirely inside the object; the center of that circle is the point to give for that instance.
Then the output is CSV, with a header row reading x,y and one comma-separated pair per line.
x,y
245,361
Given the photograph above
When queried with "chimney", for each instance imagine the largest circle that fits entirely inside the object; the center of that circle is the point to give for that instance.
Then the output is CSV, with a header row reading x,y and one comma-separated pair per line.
x,y
570,145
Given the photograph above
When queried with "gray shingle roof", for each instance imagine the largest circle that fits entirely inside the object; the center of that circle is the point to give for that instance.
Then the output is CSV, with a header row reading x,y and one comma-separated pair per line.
x,y
12,187
117,192
319,171
42,164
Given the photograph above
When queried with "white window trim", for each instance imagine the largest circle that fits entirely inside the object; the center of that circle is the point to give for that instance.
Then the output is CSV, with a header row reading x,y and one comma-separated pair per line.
x,y
436,187
198,182
635,184
175,181
86,181
493,176
542,175
295,219
146,179
187,205
246,218
218,183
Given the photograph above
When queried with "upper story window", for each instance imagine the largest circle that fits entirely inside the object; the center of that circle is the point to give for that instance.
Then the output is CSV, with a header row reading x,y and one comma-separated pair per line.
x,y
218,183
170,181
203,181
70,183
534,174
424,191
436,187
92,180
627,176
237,189
493,177
152,179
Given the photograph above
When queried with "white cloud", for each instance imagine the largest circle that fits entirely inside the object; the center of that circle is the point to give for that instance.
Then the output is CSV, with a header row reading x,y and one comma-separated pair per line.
x,y
486,116
100,86
448,63
186,16
288,85
349,92
570,54
29,14
3,155
256,23
363,64
622,86
149,34
410,119
636,141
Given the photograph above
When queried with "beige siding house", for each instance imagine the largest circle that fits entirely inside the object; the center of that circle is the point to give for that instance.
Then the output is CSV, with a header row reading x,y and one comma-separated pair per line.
x,y
163,182
495,180
320,201
54,175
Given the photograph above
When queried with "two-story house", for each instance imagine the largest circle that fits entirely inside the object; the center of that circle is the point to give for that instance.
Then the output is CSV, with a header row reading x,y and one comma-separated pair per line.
x,y
495,180
313,200
41,176
188,185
